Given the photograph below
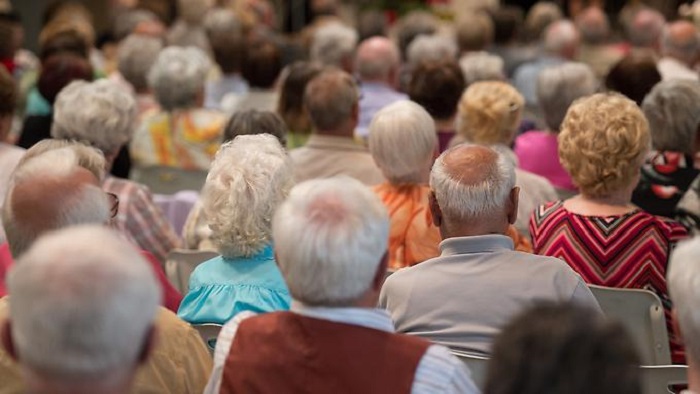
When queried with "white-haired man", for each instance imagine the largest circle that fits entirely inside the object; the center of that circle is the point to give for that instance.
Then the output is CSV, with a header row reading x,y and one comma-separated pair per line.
x,y
680,50
102,114
561,41
334,339
59,188
462,298
333,44
377,64
331,99
98,299
683,284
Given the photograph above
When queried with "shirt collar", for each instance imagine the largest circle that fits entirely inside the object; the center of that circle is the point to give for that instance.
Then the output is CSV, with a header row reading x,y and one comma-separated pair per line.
x,y
374,318
333,142
475,244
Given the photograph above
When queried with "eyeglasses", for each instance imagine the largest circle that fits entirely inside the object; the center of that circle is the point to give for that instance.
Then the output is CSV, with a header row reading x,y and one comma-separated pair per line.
x,y
114,205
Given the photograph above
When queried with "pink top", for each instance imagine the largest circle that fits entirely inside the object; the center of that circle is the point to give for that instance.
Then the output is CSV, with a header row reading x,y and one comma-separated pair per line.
x,y
537,153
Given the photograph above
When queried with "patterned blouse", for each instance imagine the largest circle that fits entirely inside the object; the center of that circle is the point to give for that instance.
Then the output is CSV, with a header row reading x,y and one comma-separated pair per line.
x,y
623,251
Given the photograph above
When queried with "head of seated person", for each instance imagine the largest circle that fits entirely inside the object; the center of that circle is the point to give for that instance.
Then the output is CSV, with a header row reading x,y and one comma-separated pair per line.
x,y
99,113
431,48
403,143
633,76
253,122
331,99
333,44
53,188
59,70
489,113
378,60
593,25
602,144
559,86
98,298
413,25
291,99
136,55
178,76
225,34
262,62
437,87
563,348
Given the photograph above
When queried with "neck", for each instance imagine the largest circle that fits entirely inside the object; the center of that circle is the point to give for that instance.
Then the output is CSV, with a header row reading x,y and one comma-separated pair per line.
x,y
379,81
693,375
345,131
621,199
473,227
445,124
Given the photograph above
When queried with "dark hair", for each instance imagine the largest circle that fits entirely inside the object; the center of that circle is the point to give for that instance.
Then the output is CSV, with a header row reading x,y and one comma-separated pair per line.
x,y
507,22
262,62
291,99
563,349
634,76
65,42
437,87
252,121
8,93
59,70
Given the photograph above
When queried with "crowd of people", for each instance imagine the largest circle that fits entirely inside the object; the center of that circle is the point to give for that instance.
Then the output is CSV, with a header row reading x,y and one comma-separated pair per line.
x,y
378,193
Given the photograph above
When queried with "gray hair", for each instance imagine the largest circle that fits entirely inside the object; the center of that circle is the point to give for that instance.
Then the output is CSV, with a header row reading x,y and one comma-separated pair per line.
x,y
474,31
560,36
222,21
482,66
684,288
412,25
646,27
39,178
402,141
376,58
673,111
541,15
333,44
100,113
178,76
330,98
459,200
428,48
593,25
248,179
136,55
559,86
95,298
337,229
127,21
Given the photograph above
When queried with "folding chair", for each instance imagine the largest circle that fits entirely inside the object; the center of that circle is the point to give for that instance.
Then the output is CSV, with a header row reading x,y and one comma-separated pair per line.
x,y
181,263
168,180
641,313
656,379
477,364
209,332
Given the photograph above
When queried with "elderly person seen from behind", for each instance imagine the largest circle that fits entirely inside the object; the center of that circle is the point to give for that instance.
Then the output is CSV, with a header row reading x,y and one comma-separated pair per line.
x,y
673,111
599,232
102,114
334,45
403,144
489,114
249,178
181,134
557,88
136,55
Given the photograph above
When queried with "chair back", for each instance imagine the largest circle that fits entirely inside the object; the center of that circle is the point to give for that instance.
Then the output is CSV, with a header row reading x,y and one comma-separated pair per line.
x,y
181,263
168,180
641,313
656,379
477,364
209,333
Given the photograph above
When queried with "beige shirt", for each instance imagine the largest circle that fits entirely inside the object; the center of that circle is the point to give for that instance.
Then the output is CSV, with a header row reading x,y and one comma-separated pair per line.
x,y
327,156
180,362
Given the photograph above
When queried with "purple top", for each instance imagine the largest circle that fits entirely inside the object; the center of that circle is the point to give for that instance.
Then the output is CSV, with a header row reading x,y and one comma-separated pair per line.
x,y
537,153
374,96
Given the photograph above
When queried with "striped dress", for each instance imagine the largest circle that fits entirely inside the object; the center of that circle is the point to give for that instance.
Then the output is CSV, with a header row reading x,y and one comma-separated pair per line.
x,y
624,251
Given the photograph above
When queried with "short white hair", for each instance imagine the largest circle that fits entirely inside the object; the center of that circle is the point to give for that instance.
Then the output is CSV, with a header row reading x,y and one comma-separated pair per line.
x,y
86,205
178,76
403,142
559,86
83,302
482,66
431,48
684,287
559,36
100,113
673,111
333,43
248,179
330,237
136,55
459,200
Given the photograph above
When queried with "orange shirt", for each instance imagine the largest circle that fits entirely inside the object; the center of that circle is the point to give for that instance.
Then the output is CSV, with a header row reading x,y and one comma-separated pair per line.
x,y
413,237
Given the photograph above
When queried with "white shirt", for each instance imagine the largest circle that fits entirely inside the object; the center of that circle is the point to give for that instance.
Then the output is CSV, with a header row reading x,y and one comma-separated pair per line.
x,y
438,371
670,68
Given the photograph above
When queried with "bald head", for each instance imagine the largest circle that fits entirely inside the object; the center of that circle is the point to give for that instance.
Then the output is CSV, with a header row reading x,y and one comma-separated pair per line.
x,y
645,29
377,59
593,25
49,192
680,40
331,98
562,39
474,185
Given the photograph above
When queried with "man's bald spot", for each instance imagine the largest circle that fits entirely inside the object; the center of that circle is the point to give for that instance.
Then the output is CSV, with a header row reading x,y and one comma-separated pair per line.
x,y
682,33
470,164
376,56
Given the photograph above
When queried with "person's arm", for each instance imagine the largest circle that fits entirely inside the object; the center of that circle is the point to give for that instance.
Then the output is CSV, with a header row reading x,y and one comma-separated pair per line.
x,y
148,226
223,346
441,372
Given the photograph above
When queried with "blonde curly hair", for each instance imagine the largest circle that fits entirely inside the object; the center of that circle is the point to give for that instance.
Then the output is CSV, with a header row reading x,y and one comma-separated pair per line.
x,y
602,143
489,113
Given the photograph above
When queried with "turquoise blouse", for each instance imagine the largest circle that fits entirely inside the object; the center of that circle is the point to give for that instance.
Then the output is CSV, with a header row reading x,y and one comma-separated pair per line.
x,y
220,288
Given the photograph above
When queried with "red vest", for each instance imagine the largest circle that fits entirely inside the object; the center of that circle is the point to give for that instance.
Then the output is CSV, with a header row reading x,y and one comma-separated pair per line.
x,y
283,352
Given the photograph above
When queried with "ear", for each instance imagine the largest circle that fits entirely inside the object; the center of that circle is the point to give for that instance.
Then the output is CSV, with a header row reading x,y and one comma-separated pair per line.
x,y
149,344
435,210
6,338
512,205
379,276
